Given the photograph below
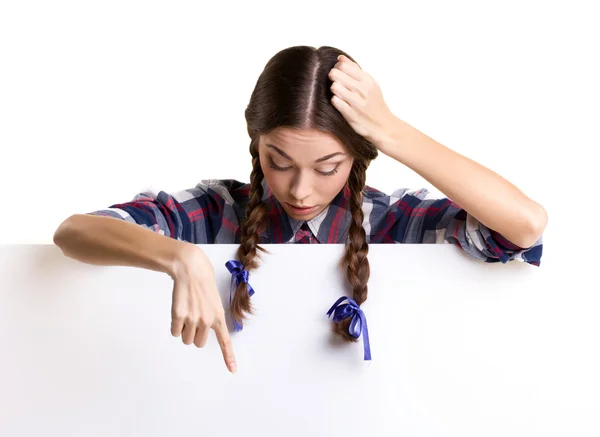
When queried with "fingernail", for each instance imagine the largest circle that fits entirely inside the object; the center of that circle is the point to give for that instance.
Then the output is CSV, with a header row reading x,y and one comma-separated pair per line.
x,y
338,58
232,367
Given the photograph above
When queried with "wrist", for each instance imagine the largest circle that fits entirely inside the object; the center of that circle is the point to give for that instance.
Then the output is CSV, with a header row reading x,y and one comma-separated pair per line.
x,y
393,140
188,259
178,264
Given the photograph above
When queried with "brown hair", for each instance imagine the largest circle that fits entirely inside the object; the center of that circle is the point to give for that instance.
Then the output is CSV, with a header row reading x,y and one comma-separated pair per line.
x,y
294,91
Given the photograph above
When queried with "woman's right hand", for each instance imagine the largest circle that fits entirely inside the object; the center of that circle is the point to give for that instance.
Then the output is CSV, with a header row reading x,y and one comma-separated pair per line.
x,y
196,305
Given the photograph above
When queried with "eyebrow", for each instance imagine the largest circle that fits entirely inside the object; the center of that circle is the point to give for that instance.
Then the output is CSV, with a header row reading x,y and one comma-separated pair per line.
x,y
285,155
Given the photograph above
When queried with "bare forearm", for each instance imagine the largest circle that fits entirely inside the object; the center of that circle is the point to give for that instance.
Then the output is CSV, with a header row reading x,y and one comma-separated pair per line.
x,y
110,241
487,196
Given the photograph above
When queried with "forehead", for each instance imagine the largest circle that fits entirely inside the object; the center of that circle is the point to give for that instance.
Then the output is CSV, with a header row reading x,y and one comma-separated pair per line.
x,y
310,140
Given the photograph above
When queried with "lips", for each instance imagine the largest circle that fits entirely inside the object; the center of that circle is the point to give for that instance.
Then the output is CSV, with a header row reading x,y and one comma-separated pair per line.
x,y
301,211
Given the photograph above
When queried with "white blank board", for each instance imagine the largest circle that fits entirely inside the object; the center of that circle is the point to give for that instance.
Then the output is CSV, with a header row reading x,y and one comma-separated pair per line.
x,y
460,348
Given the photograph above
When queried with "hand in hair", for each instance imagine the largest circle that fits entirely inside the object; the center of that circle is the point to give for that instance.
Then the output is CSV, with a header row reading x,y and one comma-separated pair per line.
x,y
358,97
196,305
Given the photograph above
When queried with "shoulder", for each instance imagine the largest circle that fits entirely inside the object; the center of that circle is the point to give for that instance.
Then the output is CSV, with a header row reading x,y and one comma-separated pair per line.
x,y
215,208
389,216
225,191
401,195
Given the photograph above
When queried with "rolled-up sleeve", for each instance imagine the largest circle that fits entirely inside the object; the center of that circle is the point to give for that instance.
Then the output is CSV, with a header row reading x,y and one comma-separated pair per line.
x,y
483,243
155,210
209,213
416,217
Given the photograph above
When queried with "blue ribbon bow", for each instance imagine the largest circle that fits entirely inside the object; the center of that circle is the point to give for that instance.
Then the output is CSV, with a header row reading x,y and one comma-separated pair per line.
x,y
358,323
238,275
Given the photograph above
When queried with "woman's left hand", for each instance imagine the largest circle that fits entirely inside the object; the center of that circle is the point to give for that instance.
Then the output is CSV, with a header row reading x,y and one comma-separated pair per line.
x,y
358,97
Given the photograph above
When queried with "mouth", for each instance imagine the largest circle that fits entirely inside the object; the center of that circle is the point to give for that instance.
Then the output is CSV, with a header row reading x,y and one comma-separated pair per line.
x,y
301,211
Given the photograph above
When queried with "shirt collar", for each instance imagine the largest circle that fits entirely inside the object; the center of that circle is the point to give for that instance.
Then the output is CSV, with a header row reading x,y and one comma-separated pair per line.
x,y
329,226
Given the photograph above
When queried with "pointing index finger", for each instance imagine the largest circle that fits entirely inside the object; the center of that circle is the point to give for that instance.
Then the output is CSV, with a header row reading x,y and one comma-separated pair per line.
x,y
220,328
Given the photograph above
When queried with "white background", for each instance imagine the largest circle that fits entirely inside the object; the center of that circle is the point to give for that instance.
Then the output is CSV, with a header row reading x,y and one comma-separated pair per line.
x,y
468,350
101,100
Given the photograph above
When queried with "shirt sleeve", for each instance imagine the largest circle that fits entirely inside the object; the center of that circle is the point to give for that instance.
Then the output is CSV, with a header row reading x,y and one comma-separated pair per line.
x,y
415,216
204,214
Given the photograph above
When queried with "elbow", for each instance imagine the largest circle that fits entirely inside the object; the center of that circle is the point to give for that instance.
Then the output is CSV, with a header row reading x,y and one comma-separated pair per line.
x,y
61,232
536,225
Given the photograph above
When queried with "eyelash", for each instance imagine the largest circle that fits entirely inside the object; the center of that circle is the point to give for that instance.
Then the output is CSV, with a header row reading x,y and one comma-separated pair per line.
x,y
275,167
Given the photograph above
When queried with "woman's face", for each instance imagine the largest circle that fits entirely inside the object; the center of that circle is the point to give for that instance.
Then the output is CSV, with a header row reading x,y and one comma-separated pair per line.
x,y
304,168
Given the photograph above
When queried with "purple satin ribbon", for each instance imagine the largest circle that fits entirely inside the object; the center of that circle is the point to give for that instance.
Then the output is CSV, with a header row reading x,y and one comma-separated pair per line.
x,y
358,323
238,275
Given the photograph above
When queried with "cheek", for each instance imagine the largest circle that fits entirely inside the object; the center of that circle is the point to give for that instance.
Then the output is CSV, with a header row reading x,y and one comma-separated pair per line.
x,y
341,181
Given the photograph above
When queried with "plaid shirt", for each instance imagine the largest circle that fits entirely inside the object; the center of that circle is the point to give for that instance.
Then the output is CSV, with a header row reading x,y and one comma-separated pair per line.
x,y
211,212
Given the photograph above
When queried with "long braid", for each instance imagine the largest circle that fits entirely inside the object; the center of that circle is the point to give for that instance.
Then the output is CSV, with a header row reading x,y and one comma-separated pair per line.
x,y
256,218
357,249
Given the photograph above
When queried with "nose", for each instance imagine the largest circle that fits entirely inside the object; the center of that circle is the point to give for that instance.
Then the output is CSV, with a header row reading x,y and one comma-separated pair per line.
x,y
301,187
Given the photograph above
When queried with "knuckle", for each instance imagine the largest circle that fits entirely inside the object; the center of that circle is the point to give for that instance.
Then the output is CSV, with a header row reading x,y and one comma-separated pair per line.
x,y
178,316
191,321
218,322
206,321
192,316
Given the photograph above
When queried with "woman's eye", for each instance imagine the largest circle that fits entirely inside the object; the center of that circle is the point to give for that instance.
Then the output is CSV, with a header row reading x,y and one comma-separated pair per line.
x,y
328,173
275,166
278,168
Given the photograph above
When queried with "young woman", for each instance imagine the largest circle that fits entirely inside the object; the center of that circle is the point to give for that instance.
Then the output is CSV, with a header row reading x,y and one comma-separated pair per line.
x,y
315,120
